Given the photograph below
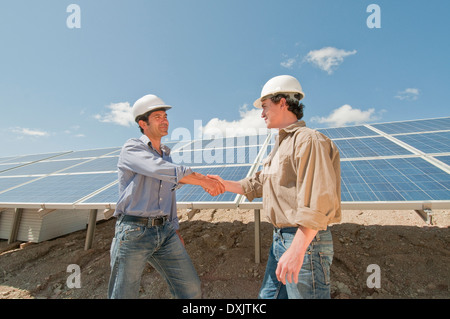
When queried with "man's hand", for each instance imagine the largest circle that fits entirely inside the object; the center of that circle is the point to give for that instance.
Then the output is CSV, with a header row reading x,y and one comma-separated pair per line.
x,y
289,265
216,177
230,186
213,186
291,261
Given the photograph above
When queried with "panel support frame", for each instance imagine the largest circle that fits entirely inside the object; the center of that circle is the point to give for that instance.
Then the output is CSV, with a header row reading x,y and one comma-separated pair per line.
x,y
16,225
257,236
426,214
91,229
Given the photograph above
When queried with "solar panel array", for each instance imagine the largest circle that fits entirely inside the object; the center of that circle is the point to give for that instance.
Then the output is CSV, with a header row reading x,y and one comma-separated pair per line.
x,y
58,179
384,163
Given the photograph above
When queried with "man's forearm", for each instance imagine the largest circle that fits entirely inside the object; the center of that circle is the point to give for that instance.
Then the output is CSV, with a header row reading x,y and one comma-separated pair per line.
x,y
230,186
233,187
303,237
193,179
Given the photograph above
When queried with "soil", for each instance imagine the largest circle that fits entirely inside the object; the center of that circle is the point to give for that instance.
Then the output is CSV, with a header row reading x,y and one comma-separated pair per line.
x,y
413,258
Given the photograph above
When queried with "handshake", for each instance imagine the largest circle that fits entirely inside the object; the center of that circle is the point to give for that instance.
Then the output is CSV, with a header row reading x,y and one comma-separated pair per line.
x,y
213,184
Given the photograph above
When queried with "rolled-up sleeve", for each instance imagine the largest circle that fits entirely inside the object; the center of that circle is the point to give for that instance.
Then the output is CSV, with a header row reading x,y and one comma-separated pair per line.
x,y
252,186
136,157
317,197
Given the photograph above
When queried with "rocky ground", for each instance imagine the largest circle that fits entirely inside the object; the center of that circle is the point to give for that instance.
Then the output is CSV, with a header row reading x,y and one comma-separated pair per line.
x,y
412,256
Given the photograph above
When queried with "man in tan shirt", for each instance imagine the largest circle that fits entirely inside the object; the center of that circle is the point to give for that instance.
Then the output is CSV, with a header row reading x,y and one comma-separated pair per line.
x,y
300,186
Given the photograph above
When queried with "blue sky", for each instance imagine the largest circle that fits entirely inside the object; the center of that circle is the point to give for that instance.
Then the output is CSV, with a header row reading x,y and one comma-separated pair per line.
x,y
67,88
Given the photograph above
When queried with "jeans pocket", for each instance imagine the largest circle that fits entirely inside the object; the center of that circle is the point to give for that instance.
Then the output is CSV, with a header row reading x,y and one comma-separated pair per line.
x,y
131,232
286,239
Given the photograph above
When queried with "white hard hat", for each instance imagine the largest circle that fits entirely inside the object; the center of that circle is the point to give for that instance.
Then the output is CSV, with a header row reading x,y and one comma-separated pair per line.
x,y
280,84
148,103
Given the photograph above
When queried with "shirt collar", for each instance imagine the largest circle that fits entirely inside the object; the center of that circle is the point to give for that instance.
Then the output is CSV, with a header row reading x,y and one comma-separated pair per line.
x,y
144,138
291,128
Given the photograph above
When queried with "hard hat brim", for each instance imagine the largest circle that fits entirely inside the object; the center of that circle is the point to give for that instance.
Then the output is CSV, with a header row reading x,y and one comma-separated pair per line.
x,y
157,107
154,108
162,107
258,102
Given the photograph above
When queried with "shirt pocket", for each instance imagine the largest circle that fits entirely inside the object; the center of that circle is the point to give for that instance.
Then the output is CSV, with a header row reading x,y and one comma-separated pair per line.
x,y
272,165
286,174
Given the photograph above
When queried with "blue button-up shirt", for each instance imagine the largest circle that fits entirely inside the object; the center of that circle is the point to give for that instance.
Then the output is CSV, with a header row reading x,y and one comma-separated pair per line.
x,y
147,181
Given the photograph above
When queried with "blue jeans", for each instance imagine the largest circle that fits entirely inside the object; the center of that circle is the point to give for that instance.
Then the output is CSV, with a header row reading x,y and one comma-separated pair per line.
x,y
134,245
314,276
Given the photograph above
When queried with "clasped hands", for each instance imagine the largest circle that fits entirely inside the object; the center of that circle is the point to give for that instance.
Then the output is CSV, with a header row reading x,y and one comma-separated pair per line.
x,y
213,185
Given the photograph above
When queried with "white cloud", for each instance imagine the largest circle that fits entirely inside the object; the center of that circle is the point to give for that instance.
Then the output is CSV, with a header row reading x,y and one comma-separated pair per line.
x,y
328,58
288,63
120,113
250,123
346,115
409,94
29,132
72,131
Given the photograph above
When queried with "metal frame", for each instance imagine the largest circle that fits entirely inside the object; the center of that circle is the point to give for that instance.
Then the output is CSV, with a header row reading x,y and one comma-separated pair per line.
x,y
423,208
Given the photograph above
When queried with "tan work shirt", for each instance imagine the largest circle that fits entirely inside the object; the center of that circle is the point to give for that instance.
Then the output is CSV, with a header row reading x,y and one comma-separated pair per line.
x,y
300,181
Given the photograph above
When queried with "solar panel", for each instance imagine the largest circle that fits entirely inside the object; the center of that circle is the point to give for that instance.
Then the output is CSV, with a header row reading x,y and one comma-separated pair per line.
x,y
4,167
41,168
393,163
428,142
178,145
10,162
239,141
193,193
58,188
8,159
217,156
9,182
107,195
345,132
444,159
427,125
397,162
402,179
102,164
369,147
36,157
91,153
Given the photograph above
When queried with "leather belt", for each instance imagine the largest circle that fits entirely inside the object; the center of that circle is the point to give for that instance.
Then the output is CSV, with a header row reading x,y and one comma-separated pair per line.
x,y
146,221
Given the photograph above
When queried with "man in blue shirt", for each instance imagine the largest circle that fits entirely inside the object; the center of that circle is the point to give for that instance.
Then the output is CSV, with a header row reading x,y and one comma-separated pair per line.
x,y
147,222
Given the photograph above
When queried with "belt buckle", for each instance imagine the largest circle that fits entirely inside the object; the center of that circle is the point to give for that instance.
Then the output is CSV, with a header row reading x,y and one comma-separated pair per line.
x,y
157,221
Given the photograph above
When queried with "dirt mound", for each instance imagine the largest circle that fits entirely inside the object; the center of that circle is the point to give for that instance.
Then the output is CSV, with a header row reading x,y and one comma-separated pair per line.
x,y
412,257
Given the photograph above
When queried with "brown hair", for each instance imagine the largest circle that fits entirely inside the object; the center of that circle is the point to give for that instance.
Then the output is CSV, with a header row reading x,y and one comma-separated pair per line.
x,y
293,103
